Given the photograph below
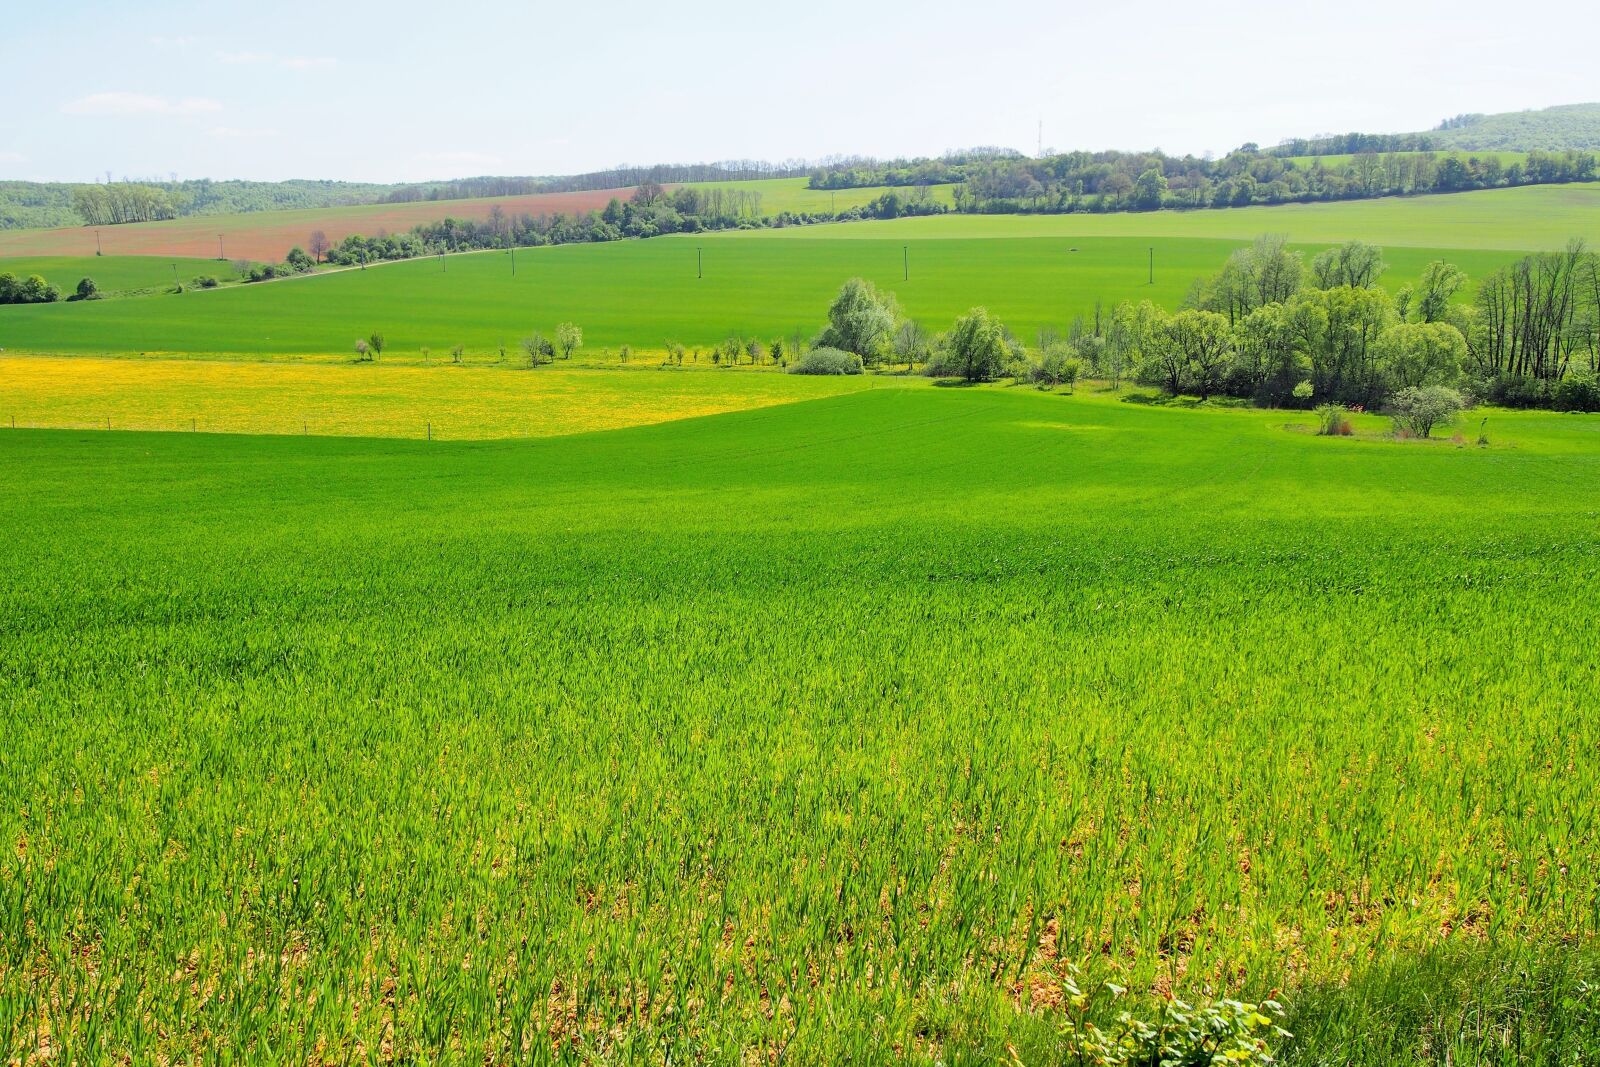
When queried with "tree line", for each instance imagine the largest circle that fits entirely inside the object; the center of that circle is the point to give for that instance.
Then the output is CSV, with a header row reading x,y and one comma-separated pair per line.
x,y
650,211
1278,331
1149,181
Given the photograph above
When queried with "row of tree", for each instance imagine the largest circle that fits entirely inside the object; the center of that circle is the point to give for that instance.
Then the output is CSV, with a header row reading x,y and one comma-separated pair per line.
x,y
650,211
1147,181
107,205
30,290
1274,329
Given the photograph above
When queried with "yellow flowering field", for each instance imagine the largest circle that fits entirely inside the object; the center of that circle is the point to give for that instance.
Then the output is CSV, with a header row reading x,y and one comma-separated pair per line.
x,y
380,400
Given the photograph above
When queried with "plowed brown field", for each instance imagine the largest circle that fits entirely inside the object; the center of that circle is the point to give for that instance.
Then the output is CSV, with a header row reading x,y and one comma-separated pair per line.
x,y
268,235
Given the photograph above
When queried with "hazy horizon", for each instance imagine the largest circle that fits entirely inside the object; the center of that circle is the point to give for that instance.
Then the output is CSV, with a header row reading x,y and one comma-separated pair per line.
x,y
394,93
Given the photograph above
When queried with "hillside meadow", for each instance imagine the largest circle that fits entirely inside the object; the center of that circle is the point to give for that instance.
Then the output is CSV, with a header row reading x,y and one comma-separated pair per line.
x,y
268,235
842,730
1526,218
646,293
443,401
793,194
118,275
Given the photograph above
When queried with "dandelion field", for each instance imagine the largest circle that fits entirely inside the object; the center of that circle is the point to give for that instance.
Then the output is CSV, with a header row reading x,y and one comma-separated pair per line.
x,y
796,734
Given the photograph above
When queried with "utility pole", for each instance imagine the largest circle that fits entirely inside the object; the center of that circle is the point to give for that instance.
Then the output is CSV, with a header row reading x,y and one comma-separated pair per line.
x,y
175,280
220,253
905,252
699,264
97,243
513,262
442,268
1152,265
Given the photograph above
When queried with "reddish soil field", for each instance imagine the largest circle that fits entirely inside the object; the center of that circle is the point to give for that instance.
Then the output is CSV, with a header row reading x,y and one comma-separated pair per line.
x,y
268,235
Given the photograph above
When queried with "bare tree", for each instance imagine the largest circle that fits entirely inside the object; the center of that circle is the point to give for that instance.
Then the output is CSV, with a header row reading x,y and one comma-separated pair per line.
x,y
317,244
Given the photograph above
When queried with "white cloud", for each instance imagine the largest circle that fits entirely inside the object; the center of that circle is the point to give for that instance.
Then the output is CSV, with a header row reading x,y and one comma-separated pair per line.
x,y
292,62
121,103
240,58
173,42
12,157
240,133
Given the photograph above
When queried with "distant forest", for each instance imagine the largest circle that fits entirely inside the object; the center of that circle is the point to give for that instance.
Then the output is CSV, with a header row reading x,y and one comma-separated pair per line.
x,y
38,204
1554,129
1460,153
1148,181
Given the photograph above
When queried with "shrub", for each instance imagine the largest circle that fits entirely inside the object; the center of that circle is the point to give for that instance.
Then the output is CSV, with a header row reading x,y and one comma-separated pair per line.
x,y
1302,392
1057,366
87,290
1511,391
826,361
1416,411
455,353
1333,420
205,281
1179,1034
1578,392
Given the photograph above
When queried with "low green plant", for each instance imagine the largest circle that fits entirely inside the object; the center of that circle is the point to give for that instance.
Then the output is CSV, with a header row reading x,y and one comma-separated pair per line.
x,y
1176,1034
1418,409
825,360
1333,420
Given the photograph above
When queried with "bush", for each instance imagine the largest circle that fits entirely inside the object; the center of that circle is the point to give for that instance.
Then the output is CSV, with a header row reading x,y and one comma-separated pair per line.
x,y
205,281
1417,410
826,361
1056,367
1178,1034
1333,420
1579,392
87,290
1510,391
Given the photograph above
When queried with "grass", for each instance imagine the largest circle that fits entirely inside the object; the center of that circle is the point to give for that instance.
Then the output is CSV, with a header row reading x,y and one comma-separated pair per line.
x,y
444,401
1527,218
825,731
117,275
644,293
1341,160
792,194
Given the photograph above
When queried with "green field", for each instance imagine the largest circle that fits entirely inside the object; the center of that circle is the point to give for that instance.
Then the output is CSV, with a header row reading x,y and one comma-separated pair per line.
x,y
644,293
792,194
117,275
1031,270
830,731
1343,160
1522,219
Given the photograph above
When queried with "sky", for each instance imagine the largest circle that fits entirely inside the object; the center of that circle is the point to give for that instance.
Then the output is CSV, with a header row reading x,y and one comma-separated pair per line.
x,y
401,91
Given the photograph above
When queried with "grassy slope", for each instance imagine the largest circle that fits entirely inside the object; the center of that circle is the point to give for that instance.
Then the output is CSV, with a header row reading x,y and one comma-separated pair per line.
x,y
1331,161
874,711
643,293
1525,218
441,400
791,194
116,274
268,235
